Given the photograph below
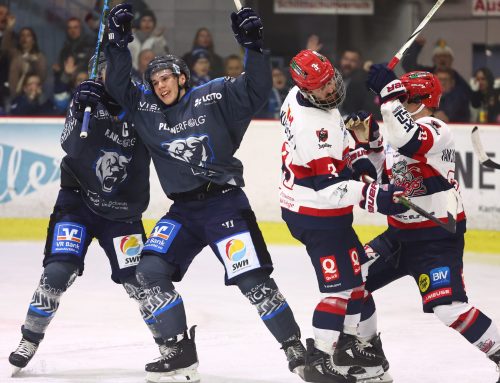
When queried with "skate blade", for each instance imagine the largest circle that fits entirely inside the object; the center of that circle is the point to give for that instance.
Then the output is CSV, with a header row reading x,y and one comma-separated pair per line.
x,y
15,371
299,371
369,374
386,378
189,374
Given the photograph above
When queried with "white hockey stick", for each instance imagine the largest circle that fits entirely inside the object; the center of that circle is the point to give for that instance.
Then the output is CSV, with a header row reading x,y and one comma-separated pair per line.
x,y
397,57
237,3
479,150
451,208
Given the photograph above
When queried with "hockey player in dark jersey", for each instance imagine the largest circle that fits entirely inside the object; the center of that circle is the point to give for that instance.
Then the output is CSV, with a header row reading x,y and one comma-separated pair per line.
x,y
420,156
192,134
104,191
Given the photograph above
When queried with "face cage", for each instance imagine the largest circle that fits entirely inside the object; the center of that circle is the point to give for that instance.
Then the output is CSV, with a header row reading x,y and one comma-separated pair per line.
x,y
335,100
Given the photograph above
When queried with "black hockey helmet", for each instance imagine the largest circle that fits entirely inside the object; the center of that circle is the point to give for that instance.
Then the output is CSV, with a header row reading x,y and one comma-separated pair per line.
x,y
172,62
101,64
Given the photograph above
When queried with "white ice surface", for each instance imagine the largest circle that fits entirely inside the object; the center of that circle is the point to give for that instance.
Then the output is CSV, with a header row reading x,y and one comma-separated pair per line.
x,y
98,335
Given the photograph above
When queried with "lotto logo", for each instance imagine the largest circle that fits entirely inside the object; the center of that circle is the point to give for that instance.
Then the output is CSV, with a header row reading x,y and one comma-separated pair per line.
x,y
356,266
329,268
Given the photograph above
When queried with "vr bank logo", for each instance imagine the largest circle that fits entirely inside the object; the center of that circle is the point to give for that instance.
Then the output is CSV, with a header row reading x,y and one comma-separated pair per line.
x,y
68,238
162,236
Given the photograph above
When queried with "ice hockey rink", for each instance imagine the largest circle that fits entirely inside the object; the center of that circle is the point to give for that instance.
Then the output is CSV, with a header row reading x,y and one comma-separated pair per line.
x,y
98,335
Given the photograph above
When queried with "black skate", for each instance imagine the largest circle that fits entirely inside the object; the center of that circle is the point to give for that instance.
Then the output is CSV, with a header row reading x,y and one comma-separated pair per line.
x,y
366,361
178,363
295,354
495,357
23,354
320,368
375,345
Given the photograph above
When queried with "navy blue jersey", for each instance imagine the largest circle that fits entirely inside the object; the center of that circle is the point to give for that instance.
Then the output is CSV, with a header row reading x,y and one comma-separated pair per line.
x,y
110,166
194,141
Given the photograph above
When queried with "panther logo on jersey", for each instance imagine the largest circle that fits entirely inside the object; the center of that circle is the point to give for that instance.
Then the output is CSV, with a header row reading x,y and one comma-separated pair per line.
x,y
111,170
409,178
194,150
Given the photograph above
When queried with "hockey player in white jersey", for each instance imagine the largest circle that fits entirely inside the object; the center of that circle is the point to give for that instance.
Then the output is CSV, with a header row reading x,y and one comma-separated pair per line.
x,y
420,156
317,195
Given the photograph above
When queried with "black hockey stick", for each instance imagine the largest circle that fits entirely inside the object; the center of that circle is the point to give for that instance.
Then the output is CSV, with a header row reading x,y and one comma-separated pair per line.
x,y
479,150
450,225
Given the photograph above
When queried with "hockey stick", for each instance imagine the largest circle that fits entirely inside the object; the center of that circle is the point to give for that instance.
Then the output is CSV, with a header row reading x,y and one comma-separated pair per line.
x,y
397,57
450,225
479,150
93,74
237,4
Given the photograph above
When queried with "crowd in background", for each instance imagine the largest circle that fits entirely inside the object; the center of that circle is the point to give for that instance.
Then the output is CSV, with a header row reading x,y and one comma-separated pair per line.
x,y
24,70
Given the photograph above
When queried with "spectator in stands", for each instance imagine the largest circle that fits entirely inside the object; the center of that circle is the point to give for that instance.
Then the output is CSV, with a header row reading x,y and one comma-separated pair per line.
x,y
233,66
278,94
442,58
358,97
454,105
203,39
200,68
32,102
147,37
77,44
485,98
65,83
25,58
145,57
6,45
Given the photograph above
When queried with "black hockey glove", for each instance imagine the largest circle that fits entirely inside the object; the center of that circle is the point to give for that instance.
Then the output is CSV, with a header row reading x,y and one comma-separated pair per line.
x,y
382,199
88,93
384,82
119,25
361,165
247,28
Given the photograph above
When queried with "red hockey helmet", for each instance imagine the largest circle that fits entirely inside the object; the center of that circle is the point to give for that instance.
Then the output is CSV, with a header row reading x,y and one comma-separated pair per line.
x,y
311,70
422,87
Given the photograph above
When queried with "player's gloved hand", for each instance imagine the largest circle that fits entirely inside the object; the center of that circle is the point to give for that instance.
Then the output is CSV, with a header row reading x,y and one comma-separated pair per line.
x,y
361,165
88,93
382,199
120,26
384,82
364,130
247,28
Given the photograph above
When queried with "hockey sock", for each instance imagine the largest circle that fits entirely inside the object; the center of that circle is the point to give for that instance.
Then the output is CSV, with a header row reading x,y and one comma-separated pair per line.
x,y
474,326
353,311
263,293
55,279
328,319
367,328
162,308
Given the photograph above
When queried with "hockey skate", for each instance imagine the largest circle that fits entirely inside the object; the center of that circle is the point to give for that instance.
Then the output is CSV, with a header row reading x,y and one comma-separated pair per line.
x,y
495,357
375,345
178,363
295,354
365,362
23,354
320,368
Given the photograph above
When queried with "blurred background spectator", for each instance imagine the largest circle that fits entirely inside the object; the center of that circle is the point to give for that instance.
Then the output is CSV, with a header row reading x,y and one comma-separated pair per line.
x,y
485,98
145,57
233,65
280,89
4,57
146,36
454,105
200,67
32,102
65,83
203,39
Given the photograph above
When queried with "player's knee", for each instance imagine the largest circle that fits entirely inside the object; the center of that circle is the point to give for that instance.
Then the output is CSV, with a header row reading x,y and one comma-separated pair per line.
x,y
58,276
153,271
258,287
133,287
448,314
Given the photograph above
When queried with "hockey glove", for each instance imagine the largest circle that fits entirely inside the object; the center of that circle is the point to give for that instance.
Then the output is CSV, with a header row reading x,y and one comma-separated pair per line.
x,y
382,199
384,82
88,93
365,131
361,165
388,249
247,28
119,25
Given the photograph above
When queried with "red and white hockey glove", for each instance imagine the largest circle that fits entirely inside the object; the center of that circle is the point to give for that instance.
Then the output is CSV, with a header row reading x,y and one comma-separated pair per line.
x,y
382,199
384,82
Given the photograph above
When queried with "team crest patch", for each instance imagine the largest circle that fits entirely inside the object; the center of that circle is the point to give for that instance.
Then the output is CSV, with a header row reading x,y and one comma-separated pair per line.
x,y
68,237
162,236
128,250
322,135
238,254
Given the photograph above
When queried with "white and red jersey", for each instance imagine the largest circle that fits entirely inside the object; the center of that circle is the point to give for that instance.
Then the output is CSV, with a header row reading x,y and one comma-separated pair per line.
x,y
315,188
420,156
